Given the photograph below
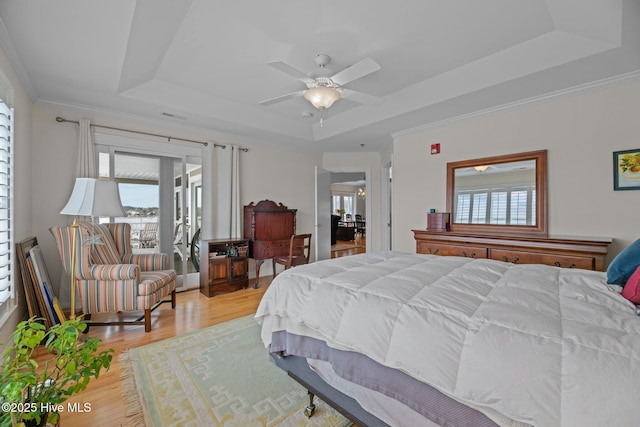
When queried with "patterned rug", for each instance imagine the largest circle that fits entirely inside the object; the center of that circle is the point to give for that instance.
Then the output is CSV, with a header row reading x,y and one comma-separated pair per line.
x,y
216,376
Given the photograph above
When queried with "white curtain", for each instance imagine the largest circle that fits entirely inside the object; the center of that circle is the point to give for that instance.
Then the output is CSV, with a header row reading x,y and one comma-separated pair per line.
x,y
221,205
235,211
87,161
86,167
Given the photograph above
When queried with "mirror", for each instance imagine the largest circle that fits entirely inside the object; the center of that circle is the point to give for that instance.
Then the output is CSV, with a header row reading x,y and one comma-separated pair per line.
x,y
499,195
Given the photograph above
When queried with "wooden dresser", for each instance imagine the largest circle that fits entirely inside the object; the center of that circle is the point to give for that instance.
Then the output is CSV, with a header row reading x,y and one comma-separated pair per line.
x,y
220,272
569,252
268,227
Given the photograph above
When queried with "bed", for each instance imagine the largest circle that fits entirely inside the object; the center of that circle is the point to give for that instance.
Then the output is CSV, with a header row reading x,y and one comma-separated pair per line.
x,y
411,339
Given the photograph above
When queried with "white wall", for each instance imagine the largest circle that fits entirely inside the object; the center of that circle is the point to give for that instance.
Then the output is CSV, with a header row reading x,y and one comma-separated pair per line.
x,y
23,197
580,132
266,173
285,177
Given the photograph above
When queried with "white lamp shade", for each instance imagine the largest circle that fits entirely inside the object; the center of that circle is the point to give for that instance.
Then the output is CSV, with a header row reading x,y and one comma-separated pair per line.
x,y
93,197
322,97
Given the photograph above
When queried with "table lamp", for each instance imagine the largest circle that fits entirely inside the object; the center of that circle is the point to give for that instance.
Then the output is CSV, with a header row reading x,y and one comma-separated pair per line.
x,y
92,198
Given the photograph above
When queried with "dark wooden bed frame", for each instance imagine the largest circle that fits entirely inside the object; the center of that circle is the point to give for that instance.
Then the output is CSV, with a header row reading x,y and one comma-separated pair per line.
x,y
298,369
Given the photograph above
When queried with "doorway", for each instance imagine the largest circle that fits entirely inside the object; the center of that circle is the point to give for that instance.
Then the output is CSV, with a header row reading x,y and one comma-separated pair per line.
x,y
349,206
160,195
387,198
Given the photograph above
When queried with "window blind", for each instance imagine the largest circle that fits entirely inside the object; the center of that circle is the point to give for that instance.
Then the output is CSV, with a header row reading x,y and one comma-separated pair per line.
x,y
513,205
6,208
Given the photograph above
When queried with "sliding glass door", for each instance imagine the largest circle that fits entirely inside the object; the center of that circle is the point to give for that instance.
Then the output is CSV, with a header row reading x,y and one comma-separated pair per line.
x,y
160,195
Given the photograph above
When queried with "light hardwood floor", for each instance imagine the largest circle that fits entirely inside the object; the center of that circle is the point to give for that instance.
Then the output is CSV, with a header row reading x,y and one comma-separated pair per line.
x,y
193,311
346,248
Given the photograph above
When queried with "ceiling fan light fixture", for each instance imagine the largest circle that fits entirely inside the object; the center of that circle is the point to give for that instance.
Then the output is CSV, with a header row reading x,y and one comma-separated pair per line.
x,y
322,97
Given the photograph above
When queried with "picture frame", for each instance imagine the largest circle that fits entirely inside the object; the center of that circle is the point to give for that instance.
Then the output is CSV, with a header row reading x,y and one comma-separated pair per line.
x,y
25,265
626,170
43,282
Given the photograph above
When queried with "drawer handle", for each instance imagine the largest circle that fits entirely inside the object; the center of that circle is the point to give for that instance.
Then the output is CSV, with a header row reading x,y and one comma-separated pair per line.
x,y
515,260
473,255
464,253
504,258
433,251
557,264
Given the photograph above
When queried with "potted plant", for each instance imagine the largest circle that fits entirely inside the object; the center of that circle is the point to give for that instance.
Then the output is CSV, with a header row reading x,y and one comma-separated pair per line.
x,y
32,394
341,212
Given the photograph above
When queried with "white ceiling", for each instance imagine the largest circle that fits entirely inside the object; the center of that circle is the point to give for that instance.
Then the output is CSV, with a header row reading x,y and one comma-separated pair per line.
x,y
205,61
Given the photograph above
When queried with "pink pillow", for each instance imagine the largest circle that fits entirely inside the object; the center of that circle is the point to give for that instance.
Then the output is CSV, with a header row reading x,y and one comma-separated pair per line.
x,y
631,290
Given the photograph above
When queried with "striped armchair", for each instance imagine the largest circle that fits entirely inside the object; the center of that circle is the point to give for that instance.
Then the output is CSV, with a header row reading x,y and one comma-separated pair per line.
x,y
110,278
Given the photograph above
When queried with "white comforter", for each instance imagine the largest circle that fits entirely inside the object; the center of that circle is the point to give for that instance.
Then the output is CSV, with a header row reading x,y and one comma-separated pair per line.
x,y
542,345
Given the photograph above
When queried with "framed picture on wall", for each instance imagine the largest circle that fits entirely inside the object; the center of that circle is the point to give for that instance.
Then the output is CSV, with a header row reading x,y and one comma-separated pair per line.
x,y
626,170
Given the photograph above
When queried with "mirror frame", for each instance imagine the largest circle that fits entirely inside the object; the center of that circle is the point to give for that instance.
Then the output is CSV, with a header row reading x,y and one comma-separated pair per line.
x,y
540,229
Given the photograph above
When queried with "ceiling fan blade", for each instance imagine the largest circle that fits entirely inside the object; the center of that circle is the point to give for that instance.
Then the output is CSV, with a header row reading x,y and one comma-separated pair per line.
x,y
282,98
356,71
288,69
362,98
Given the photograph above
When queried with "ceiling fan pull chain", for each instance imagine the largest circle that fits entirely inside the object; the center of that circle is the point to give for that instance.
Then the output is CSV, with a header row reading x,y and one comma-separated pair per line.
x,y
323,112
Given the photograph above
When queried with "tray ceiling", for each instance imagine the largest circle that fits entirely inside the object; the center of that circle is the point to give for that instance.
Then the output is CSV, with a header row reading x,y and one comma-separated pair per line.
x,y
201,65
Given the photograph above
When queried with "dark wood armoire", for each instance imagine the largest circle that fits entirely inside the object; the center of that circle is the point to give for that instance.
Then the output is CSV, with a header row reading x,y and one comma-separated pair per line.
x,y
268,227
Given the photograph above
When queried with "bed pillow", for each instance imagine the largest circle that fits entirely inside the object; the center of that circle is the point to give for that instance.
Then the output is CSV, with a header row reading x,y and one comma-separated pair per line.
x,y
631,290
624,264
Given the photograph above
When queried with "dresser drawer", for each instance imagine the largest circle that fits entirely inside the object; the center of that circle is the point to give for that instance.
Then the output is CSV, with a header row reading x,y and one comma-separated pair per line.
x,y
451,250
558,260
271,248
570,252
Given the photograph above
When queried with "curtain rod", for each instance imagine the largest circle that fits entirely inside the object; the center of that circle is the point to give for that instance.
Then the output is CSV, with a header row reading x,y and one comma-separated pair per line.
x,y
169,138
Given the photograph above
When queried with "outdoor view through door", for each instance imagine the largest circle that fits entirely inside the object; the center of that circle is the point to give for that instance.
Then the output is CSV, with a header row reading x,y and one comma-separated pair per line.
x,y
162,198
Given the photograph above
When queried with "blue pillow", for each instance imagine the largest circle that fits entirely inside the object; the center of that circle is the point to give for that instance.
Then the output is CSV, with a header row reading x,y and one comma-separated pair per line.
x,y
624,264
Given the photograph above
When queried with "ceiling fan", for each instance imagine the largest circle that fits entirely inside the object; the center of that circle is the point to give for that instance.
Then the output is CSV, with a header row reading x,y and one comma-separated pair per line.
x,y
324,87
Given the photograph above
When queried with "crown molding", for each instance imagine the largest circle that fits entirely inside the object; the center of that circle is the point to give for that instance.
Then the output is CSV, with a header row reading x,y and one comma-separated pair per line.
x,y
14,60
586,87
207,135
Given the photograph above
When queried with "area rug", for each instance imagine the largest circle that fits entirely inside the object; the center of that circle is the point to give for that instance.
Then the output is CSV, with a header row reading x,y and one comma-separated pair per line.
x,y
216,376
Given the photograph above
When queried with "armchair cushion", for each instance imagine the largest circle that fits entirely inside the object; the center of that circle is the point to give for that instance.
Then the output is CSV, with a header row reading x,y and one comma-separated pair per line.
x,y
113,272
148,262
153,281
121,234
103,248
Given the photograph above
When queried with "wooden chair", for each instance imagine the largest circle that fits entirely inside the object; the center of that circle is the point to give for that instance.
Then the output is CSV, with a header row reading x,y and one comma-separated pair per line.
x,y
299,249
360,225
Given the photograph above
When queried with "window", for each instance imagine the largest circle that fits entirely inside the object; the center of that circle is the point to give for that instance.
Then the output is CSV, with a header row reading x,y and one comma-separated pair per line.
x,y
513,205
343,200
6,208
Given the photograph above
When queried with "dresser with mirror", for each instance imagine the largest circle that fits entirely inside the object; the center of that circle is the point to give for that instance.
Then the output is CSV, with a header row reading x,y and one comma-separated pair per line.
x,y
498,209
